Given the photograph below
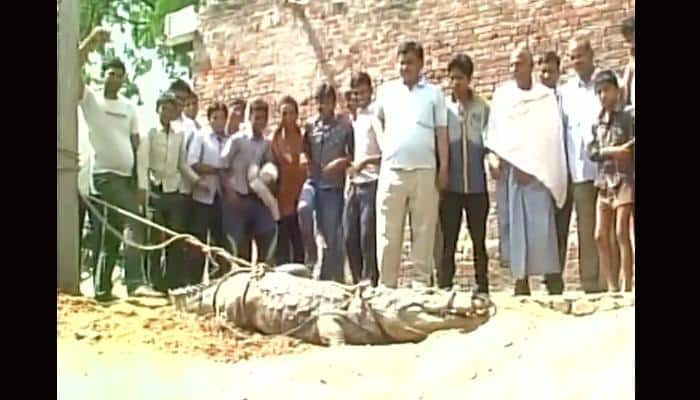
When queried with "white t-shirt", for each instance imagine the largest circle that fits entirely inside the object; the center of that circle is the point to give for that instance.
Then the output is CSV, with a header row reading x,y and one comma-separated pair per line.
x,y
111,124
410,118
189,129
365,144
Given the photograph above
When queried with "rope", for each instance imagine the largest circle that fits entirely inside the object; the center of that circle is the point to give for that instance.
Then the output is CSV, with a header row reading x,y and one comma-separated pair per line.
x,y
121,236
210,251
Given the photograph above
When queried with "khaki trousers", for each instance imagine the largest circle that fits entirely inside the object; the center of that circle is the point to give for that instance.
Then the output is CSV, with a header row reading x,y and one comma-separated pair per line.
x,y
399,192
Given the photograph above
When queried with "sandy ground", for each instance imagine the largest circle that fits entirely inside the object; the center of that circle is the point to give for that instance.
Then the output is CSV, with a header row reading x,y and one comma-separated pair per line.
x,y
145,351
525,351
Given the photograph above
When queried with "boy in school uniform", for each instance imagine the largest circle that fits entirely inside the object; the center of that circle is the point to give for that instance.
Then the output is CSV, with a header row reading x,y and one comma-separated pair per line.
x,y
162,163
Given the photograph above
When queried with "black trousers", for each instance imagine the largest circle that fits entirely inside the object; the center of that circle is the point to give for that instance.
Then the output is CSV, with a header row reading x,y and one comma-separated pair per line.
x,y
290,247
476,206
360,232
562,219
206,218
169,212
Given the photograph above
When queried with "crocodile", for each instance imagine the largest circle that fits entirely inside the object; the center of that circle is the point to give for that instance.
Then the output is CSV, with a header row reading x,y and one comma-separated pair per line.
x,y
284,301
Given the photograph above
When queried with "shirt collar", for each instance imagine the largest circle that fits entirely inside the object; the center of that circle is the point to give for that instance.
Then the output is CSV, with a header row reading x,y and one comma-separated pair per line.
x,y
591,83
213,135
367,110
420,83
248,134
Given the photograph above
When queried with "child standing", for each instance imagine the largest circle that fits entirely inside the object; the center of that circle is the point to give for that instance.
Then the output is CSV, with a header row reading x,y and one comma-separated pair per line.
x,y
613,149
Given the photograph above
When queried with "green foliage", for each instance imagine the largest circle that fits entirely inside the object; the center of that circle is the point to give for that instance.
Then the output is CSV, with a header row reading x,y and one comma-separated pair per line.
x,y
146,19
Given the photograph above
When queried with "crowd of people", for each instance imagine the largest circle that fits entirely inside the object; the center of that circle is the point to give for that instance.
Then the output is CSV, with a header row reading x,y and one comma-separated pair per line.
x,y
408,149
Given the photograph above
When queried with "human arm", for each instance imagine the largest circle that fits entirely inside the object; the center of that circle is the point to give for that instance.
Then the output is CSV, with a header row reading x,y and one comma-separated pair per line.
x,y
359,165
305,156
340,164
494,163
443,143
98,37
597,152
194,156
143,155
185,169
196,160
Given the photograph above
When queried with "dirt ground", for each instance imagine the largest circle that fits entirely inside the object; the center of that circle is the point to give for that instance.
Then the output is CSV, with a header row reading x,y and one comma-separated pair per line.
x,y
145,351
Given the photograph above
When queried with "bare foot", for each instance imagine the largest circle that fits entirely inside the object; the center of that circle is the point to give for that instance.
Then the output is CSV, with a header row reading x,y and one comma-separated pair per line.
x,y
613,287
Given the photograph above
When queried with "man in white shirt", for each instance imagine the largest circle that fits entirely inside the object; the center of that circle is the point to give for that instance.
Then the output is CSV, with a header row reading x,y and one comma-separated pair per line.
x,y
192,109
204,156
414,163
360,217
114,135
182,92
162,162
188,126
580,108
527,160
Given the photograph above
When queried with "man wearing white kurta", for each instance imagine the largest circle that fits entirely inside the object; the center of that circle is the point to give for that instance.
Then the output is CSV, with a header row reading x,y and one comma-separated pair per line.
x,y
528,160
415,118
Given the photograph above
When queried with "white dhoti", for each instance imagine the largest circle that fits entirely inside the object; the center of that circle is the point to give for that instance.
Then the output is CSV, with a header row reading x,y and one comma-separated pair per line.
x,y
526,227
525,131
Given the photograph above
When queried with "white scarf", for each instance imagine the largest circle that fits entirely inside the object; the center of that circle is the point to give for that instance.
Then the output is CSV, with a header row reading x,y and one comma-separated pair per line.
x,y
525,129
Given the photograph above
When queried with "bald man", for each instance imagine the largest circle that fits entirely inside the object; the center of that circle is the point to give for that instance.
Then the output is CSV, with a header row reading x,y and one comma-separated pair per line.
x,y
527,160
581,108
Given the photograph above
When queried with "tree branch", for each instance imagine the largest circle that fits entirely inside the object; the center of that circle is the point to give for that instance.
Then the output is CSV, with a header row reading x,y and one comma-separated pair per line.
x,y
130,21
150,4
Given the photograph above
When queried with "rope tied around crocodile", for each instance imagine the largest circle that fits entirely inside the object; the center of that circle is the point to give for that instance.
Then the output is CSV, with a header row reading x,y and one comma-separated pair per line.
x,y
211,252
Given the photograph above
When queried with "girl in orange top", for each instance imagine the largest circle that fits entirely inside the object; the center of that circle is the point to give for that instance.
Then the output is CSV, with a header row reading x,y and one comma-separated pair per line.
x,y
287,145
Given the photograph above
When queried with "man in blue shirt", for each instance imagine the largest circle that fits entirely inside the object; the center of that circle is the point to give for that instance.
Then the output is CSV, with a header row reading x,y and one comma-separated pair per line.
x,y
328,150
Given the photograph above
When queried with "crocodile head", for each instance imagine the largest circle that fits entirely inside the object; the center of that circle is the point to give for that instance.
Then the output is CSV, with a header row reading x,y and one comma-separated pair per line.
x,y
412,314
197,299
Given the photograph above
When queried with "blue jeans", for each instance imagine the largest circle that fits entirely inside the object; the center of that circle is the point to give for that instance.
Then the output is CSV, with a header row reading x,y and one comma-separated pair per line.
x,y
327,204
247,220
359,225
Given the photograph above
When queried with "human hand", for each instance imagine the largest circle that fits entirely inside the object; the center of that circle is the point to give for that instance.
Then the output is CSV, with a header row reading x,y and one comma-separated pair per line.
x,y
100,36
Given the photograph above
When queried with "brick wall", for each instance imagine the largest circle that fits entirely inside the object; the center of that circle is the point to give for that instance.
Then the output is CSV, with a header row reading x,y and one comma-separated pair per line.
x,y
264,48
269,50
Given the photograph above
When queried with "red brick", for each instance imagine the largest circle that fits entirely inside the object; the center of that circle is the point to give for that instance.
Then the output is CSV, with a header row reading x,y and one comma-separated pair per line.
x,y
280,59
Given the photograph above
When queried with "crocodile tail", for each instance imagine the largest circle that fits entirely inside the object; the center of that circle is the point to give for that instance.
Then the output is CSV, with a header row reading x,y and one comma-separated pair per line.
x,y
183,297
189,289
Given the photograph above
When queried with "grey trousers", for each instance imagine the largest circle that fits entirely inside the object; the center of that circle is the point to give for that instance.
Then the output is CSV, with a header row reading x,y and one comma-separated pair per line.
x,y
121,192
